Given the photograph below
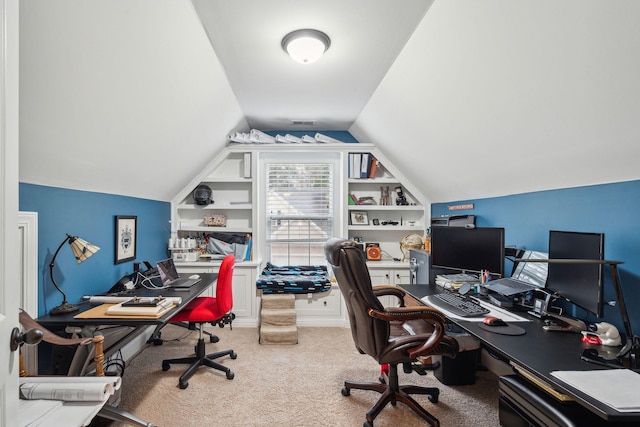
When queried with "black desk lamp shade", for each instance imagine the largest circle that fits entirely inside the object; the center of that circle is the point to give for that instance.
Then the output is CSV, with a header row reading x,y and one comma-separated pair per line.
x,y
81,250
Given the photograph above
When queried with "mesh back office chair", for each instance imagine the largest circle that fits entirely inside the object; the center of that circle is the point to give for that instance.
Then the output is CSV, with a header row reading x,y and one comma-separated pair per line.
x,y
214,310
389,335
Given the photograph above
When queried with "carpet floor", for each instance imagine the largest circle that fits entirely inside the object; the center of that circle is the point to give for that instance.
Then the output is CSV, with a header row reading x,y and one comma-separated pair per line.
x,y
289,385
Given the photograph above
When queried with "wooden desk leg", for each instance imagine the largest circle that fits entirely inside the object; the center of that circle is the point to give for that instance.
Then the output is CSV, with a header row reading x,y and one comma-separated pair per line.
x,y
98,358
23,371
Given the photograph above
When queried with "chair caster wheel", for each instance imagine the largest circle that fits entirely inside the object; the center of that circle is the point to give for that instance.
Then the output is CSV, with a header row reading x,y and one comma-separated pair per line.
x,y
367,424
165,366
230,375
433,398
213,339
184,384
233,355
345,391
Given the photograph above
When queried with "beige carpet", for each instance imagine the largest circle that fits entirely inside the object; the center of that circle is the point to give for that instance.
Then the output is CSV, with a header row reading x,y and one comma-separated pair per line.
x,y
287,385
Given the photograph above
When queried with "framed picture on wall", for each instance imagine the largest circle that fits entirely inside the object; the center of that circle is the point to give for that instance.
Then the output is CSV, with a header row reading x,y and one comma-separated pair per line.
x,y
126,238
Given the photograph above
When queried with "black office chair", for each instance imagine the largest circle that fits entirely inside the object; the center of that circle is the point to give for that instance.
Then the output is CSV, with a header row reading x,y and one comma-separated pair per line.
x,y
396,335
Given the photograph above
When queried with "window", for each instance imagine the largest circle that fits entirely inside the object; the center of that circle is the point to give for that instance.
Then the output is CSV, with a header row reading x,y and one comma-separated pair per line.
x,y
299,199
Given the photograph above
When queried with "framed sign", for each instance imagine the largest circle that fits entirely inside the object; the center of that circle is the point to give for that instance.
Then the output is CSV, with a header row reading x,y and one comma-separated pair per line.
x,y
126,238
359,218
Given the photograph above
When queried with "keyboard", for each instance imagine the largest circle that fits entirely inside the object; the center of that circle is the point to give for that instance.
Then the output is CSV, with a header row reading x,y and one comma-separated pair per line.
x,y
458,304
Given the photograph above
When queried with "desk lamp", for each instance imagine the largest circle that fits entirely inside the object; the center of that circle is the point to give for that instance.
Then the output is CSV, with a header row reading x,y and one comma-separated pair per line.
x,y
81,250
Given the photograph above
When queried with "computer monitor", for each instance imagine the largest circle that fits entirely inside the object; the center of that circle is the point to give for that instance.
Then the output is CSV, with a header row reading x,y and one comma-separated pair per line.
x,y
469,250
580,284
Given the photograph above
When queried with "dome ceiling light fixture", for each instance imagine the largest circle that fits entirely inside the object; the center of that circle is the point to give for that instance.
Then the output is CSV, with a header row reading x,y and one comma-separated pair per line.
x,y
306,46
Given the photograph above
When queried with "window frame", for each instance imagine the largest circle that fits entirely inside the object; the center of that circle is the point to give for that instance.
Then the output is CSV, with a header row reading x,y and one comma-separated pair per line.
x,y
308,157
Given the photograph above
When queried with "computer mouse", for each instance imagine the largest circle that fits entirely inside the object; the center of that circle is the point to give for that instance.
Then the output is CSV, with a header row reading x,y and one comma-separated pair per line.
x,y
194,276
494,321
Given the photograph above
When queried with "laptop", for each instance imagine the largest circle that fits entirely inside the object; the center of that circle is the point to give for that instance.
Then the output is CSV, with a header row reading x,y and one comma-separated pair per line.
x,y
527,276
169,275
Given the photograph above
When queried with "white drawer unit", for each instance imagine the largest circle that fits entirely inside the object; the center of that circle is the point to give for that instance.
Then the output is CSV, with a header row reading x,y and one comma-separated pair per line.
x,y
319,309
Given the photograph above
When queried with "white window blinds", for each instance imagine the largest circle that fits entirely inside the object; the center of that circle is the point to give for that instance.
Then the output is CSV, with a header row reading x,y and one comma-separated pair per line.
x,y
299,205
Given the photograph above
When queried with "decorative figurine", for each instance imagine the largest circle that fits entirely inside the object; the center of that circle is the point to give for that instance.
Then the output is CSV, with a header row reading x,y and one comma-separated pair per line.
x,y
384,196
401,200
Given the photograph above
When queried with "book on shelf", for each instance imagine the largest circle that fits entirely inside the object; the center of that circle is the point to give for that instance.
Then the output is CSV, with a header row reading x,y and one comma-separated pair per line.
x,y
354,199
374,167
363,165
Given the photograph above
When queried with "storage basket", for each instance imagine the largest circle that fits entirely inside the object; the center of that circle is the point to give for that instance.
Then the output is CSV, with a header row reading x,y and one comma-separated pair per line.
x,y
215,220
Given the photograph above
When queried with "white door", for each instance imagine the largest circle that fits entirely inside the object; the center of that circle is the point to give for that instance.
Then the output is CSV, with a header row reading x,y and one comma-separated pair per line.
x,y
9,270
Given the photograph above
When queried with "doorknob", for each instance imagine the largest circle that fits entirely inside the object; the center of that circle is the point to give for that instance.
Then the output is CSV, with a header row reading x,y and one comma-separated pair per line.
x,y
31,336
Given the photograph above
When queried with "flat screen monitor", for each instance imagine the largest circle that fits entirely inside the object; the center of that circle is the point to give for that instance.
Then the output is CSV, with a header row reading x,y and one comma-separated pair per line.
x,y
468,249
580,284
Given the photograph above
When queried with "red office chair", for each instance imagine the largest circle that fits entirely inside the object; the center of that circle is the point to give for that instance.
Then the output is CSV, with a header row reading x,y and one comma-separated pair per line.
x,y
214,310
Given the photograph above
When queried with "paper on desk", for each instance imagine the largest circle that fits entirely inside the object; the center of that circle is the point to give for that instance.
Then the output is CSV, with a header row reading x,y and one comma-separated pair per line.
x,y
34,413
115,381
616,388
99,299
55,413
96,389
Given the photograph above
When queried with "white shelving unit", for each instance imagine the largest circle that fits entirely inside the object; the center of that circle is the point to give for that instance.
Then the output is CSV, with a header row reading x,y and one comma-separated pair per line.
x,y
386,224
231,176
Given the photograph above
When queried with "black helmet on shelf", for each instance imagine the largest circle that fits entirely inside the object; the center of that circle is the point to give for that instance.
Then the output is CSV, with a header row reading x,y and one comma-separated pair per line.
x,y
203,195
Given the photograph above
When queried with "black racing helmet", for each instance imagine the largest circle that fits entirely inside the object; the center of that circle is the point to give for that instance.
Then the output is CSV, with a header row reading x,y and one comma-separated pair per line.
x,y
203,195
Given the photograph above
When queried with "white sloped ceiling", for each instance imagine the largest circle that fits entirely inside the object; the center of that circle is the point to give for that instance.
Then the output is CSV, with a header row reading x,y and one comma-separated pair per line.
x,y
487,97
120,97
498,97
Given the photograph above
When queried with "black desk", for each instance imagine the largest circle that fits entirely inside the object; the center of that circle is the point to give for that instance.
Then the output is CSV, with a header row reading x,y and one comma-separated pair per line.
x,y
57,323
131,328
539,352
187,295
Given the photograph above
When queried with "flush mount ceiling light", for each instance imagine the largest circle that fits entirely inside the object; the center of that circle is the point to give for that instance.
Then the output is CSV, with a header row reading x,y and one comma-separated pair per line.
x,y
306,46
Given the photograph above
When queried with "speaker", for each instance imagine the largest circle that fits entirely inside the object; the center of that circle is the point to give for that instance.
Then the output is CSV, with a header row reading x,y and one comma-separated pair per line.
x,y
373,252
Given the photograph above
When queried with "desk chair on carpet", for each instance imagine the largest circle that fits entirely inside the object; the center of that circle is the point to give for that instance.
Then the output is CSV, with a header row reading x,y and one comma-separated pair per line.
x,y
390,335
214,310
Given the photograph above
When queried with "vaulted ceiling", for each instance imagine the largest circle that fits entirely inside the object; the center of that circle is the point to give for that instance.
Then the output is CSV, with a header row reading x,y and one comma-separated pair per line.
x,y
474,98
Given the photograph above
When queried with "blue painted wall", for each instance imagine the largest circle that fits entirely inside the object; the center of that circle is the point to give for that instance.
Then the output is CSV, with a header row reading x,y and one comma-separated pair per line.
x,y
90,216
612,209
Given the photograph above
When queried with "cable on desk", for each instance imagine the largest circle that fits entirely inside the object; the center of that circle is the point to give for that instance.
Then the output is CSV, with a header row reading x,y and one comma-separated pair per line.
x,y
147,282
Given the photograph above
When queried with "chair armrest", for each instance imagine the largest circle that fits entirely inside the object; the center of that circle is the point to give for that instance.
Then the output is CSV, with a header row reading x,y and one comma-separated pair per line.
x,y
382,290
29,323
431,344
430,314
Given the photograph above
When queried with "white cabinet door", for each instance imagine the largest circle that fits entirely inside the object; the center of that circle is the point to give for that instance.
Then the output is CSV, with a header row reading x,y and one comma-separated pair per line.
x,y
389,276
244,293
244,288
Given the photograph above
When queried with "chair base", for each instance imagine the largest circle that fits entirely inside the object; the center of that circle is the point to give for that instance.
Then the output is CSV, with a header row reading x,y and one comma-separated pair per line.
x,y
393,393
198,360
